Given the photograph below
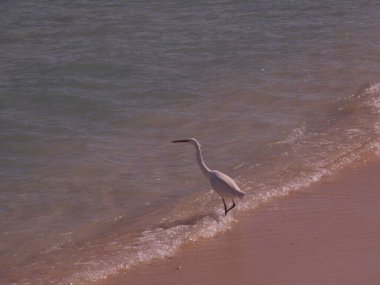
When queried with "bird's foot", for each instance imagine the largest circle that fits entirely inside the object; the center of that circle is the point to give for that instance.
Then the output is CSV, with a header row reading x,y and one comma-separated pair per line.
x,y
227,210
225,207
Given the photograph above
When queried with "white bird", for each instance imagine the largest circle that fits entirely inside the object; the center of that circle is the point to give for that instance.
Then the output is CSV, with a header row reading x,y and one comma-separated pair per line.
x,y
224,185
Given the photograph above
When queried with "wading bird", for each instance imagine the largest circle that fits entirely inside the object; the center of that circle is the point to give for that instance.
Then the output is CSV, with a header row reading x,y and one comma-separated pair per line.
x,y
224,185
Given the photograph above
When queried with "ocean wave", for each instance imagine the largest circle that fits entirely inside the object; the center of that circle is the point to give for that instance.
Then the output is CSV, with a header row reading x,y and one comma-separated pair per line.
x,y
202,217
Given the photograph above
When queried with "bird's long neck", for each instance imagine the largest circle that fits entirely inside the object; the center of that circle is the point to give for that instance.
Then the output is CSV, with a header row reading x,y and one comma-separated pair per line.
x,y
206,171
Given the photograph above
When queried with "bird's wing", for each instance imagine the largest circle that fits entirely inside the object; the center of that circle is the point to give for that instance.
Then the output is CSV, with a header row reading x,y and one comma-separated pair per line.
x,y
225,185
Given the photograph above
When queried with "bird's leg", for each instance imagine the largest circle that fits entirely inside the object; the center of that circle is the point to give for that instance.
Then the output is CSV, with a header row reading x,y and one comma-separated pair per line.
x,y
233,206
225,207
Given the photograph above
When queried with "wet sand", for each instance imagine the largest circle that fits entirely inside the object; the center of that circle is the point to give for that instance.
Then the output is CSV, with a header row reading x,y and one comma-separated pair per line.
x,y
327,234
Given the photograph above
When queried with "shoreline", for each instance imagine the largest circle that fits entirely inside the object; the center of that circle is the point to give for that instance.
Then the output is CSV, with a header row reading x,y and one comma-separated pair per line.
x,y
327,234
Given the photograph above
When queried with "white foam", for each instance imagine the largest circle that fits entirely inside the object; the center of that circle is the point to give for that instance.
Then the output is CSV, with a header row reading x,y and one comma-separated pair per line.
x,y
373,89
151,244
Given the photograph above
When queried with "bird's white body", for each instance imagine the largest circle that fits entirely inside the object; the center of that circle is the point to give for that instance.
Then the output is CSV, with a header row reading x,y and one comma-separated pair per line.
x,y
221,183
224,185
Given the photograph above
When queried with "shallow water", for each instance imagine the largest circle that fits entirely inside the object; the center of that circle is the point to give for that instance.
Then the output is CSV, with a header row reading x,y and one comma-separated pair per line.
x,y
280,95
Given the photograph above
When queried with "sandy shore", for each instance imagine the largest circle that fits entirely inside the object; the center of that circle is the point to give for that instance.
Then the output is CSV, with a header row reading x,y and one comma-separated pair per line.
x,y
329,234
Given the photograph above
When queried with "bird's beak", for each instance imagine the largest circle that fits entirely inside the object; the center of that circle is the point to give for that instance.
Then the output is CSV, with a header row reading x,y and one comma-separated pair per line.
x,y
180,141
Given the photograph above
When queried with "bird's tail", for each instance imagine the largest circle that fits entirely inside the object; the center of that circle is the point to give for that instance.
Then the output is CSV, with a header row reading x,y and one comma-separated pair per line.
x,y
241,195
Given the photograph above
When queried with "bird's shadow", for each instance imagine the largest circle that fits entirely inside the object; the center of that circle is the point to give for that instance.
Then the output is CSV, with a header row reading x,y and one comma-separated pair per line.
x,y
189,221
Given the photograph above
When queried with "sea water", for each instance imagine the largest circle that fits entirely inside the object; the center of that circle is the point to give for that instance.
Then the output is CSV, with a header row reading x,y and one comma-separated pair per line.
x,y
280,94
